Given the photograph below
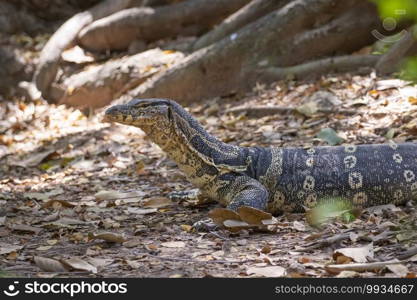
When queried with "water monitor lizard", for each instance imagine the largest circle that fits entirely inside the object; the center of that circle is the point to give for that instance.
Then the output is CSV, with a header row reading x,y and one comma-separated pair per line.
x,y
274,179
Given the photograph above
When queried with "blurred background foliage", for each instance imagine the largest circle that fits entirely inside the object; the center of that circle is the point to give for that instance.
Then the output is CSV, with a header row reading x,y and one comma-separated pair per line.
x,y
396,11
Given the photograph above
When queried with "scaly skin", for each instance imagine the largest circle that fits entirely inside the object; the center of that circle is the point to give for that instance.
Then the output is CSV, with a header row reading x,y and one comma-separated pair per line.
x,y
274,179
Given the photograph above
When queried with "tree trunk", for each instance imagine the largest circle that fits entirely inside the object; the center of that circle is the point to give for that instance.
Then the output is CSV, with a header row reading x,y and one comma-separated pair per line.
x,y
296,33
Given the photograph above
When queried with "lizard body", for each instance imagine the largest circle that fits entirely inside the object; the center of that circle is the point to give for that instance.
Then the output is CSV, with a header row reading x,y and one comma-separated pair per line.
x,y
274,179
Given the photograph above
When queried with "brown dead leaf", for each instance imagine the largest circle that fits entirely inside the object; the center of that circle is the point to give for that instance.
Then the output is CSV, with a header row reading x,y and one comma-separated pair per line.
x,y
6,249
252,215
299,226
57,204
399,270
107,236
271,271
348,274
359,254
303,260
24,228
116,195
43,196
12,255
412,100
236,224
186,228
79,264
98,262
341,259
219,215
157,202
174,244
133,264
140,211
50,265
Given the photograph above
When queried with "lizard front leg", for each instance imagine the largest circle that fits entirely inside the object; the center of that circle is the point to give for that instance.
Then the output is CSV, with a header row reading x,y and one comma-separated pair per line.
x,y
236,190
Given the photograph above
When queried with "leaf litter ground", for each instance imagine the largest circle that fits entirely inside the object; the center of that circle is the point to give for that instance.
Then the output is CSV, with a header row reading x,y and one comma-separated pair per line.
x,y
84,198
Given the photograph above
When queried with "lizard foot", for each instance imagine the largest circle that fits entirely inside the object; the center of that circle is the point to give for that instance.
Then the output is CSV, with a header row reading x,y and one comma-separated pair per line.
x,y
205,225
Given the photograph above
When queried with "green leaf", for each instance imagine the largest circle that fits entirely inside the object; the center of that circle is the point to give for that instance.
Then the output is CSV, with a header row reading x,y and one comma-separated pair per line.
x,y
390,134
330,136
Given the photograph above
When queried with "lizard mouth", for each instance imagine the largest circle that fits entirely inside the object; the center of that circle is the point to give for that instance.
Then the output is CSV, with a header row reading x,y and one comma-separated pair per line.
x,y
107,119
117,114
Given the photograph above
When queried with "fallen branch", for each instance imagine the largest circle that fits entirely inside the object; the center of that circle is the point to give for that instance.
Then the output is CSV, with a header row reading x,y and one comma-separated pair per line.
x,y
347,63
261,111
408,253
325,242
64,37
362,267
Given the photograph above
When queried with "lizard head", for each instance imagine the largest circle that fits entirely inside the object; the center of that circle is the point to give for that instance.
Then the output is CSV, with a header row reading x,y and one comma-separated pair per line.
x,y
140,112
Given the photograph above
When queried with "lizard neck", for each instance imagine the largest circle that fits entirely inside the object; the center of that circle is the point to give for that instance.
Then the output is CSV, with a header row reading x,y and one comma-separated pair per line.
x,y
195,151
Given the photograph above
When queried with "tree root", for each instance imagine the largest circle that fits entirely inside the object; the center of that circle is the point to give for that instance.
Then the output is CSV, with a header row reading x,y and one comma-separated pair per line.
x,y
64,37
359,63
97,86
232,65
247,14
117,31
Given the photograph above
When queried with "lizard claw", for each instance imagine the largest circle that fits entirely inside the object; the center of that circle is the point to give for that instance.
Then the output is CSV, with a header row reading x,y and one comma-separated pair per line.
x,y
205,225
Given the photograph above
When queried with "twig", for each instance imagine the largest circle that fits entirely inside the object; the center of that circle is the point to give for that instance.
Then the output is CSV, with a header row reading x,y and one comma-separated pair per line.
x,y
261,111
325,242
198,261
319,67
408,253
361,267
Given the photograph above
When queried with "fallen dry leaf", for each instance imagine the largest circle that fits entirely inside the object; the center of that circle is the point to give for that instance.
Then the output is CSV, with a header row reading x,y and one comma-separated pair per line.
x,y
399,270
24,228
359,254
219,215
157,202
34,159
116,195
107,236
175,244
140,211
50,265
252,215
272,271
79,264
5,249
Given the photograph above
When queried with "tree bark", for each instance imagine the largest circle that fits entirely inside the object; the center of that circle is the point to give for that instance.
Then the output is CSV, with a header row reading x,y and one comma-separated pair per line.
x,y
97,86
247,14
117,31
317,68
64,37
278,39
